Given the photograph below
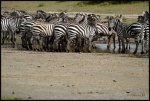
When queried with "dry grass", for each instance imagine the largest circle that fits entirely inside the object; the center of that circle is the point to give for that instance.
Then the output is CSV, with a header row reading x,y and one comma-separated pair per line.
x,y
13,98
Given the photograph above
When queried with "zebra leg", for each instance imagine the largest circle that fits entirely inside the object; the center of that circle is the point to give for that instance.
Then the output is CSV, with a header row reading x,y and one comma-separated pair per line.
x,y
114,35
45,44
29,45
41,43
147,44
137,43
13,39
55,45
33,41
142,44
127,43
79,46
59,45
108,45
64,45
119,43
90,43
123,45
3,37
68,45
82,44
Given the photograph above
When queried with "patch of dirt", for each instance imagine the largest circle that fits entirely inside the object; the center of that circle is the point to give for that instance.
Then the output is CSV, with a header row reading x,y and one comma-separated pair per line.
x,y
53,75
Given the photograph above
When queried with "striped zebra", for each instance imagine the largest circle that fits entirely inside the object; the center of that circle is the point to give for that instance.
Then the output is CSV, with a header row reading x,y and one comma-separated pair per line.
x,y
26,34
144,37
60,34
102,30
118,30
18,13
7,14
42,36
124,32
5,29
85,31
11,26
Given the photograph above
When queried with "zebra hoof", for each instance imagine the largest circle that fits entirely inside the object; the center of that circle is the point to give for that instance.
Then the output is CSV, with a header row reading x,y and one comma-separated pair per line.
x,y
142,52
108,47
123,51
134,52
146,51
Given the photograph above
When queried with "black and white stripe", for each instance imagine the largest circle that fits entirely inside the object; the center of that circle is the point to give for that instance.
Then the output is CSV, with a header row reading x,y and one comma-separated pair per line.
x,y
11,25
102,30
125,31
43,33
26,34
84,30
144,37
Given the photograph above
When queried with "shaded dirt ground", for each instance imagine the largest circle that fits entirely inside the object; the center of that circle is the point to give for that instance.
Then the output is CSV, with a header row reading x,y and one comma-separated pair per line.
x,y
49,75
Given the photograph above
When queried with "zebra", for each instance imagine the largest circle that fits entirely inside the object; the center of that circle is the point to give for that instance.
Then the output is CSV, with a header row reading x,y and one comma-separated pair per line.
x,y
123,31
26,34
11,26
86,31
55,19
144,37
42,33
40,14
124,24
18,13
5,29
60,34
7,14
102,30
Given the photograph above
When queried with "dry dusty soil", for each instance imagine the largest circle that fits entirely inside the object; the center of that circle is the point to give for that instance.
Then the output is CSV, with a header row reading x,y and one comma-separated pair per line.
x,y
52,75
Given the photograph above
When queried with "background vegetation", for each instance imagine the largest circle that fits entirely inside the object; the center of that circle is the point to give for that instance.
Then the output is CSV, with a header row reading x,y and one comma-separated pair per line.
x,y
104,7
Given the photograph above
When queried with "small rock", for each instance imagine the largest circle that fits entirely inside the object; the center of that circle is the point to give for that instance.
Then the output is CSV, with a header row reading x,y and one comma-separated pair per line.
x,y
79,92
90,92
39,66
68,86
127,92
114,80
13,92
73,85
29,97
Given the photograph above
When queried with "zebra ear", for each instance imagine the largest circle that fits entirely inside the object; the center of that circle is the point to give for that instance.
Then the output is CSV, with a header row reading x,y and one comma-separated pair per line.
x,y
120,15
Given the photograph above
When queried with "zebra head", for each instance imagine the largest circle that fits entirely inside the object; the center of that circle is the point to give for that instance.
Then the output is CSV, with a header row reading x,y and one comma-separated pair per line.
x,y
92,19
113,22
79,18
145,14
40,14
140,19
63,16
7,14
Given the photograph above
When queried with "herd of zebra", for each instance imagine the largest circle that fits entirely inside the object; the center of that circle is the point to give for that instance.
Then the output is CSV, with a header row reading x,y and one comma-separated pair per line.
x,y
59,32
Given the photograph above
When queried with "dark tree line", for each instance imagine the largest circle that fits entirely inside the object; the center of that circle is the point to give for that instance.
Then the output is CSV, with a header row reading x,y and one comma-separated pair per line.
x,y
110,2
